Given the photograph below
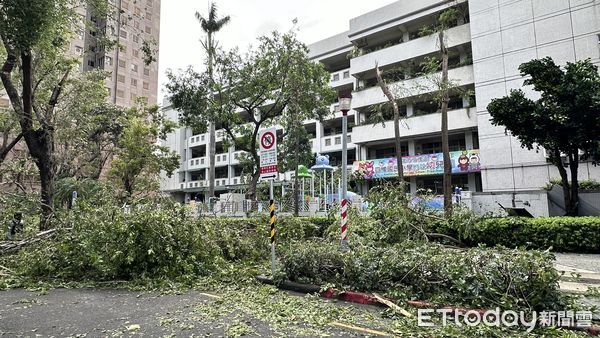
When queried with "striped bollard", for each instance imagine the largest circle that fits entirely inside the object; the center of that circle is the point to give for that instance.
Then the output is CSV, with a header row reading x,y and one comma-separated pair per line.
x,y
272,220
345,225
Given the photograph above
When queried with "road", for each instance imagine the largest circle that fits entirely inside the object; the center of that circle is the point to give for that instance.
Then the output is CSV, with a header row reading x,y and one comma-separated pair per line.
x,y
122,313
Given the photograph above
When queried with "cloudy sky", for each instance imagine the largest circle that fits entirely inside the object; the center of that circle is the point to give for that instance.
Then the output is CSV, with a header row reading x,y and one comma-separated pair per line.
x,y
317,19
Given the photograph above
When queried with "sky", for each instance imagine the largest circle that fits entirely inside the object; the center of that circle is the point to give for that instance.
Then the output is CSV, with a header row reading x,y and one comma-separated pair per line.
x,y
180,32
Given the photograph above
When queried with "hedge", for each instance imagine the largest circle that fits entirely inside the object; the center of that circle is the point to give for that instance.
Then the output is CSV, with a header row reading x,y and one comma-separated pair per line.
x,y
562,234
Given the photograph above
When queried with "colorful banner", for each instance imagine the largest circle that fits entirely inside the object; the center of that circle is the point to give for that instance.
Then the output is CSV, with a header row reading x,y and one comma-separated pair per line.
x,y
421,165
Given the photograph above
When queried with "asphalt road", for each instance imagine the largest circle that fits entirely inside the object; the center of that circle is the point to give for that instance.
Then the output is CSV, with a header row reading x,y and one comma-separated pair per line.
x,y
120,313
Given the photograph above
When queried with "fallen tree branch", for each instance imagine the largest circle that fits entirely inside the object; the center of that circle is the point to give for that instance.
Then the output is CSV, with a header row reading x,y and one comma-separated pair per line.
x,y
9,247
392,305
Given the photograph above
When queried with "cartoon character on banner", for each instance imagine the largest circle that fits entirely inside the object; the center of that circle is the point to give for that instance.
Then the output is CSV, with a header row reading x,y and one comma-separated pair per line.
x,y
369,170
463,162
474,164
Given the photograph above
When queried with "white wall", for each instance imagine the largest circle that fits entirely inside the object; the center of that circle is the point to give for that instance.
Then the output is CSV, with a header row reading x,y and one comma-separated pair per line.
x,y
505,34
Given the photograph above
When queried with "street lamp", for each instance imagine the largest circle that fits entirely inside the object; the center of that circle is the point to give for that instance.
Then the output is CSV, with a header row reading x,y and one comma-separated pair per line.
x,y
345,106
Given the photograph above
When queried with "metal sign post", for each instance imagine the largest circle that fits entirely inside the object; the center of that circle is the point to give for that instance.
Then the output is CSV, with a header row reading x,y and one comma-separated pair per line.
x,y
268,171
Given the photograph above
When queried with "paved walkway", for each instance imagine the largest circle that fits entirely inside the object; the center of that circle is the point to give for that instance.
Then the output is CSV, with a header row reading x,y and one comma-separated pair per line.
x,y
578,262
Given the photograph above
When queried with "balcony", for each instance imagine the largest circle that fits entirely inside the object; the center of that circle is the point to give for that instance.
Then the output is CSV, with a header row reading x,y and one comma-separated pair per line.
x,y
341,78
194,184
197,140
334,142
197,163
414,126
414,48
221,159
418,86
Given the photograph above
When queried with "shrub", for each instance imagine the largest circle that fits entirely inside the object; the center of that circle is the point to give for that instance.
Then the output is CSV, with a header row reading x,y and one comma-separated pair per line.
x,y
475,277
584,185
154,239
568,234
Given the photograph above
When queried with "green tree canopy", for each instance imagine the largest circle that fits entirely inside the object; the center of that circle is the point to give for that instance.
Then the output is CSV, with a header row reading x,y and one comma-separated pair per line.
x,y
254,91
565,119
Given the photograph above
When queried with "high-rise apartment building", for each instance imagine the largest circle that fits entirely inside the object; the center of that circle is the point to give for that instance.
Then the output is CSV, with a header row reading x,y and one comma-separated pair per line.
x,y
133,23
487,43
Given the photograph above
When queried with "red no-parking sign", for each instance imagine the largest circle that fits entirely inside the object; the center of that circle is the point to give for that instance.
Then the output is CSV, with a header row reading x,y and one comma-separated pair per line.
x,y
268,153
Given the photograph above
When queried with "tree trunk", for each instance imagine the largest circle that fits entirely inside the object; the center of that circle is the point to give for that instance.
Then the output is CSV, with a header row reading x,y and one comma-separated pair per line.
x,y
573,207
447,178
212,146
296,206
392,99
212,149
398,145
253,184
566,186
47,174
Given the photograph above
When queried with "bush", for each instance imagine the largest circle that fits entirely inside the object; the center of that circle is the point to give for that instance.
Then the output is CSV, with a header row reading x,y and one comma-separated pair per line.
x,y
476,277
154,239
584,185
568,234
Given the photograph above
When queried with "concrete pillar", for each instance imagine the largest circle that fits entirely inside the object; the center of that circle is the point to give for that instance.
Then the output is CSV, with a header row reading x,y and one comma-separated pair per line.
x,y
409,110
472,182
363,153
469,139
411,148
413,185
405,36
319,136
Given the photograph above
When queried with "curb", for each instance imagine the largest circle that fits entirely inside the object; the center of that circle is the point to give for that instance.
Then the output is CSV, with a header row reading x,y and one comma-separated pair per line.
x,y
365,298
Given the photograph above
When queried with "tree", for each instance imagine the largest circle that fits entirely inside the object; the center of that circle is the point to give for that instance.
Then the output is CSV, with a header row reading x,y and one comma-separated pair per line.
x,y
254,91
565,120
87,128
394,103
33,34
139,158
444,86
210,26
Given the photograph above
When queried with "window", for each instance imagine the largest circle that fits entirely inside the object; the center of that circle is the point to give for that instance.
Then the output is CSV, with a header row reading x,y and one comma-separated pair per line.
x,y
121,78
349,138
346,74
146,85
124,5
134,82
79,50
123,34
134,68
137,11
108,61
336,77
120,93
431,148
338,140
123,49
147,71
122,63
136,38
148,29
327,142
91,63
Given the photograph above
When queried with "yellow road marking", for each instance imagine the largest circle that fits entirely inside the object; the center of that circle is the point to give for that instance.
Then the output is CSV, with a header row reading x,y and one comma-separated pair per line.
x,y
360,329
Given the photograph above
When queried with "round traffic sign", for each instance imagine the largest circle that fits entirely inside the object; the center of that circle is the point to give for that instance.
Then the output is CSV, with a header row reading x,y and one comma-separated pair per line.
x,y
267,140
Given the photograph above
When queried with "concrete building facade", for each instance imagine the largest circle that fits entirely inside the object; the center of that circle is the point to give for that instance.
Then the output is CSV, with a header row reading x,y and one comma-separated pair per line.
x,y
487,43
138,23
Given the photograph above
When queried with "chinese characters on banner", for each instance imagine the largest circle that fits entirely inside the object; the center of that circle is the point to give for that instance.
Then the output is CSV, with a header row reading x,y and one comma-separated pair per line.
x,y
421,165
